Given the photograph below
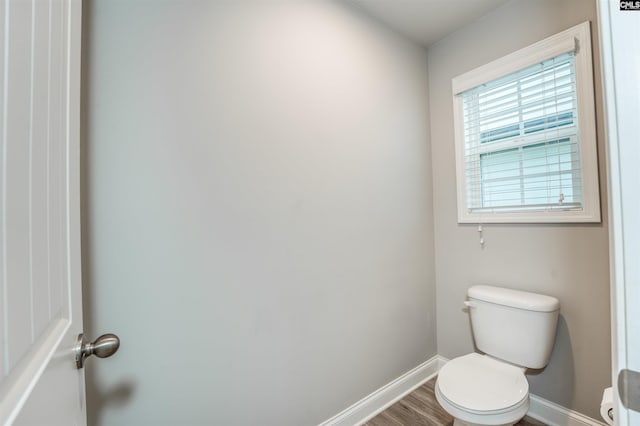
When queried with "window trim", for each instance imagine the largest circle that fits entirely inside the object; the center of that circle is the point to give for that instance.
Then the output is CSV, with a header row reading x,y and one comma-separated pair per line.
x,y
577,39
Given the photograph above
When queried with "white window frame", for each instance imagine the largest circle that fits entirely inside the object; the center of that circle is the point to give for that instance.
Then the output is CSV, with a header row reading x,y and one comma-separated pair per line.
x,y
577,39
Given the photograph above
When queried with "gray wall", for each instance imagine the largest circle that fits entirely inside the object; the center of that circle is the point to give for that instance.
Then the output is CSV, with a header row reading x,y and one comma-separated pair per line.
x,y
258,212
566,261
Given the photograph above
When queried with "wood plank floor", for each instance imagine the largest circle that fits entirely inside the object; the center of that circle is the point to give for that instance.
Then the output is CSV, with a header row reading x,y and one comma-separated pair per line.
x,y
420,408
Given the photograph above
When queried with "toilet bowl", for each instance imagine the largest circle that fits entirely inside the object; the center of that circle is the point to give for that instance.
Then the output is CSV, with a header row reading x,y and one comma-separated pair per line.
x,y
479,390
515,330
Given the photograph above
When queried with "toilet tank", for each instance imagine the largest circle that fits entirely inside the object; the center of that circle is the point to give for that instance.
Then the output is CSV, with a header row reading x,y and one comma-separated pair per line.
x,y
515,326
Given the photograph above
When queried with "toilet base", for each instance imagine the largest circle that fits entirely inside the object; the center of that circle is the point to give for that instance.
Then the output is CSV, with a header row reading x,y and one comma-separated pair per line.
x,y
458,422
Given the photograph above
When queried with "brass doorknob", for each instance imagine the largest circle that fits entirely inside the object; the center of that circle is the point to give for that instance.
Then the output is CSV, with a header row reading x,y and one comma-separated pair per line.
x,y
103,347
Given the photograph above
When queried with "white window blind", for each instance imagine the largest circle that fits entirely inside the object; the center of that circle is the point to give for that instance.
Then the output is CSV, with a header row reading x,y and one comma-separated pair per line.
x,y
521,140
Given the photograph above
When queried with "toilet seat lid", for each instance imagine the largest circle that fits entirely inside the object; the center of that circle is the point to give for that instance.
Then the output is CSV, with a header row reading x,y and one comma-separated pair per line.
x,y
480,383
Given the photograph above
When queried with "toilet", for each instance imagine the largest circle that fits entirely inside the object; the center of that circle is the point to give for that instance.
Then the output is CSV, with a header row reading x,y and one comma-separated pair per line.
x,y
514,330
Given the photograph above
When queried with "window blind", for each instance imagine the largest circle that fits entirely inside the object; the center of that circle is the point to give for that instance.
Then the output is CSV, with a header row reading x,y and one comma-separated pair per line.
x,y
521,140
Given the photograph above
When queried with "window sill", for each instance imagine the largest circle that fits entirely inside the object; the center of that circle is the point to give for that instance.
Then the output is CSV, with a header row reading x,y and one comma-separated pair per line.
x,y
567,216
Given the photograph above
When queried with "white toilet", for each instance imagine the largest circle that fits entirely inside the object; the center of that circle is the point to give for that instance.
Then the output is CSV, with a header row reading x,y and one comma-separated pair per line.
x,y
515,330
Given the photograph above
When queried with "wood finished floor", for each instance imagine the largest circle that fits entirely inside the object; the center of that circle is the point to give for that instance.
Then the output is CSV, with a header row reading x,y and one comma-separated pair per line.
x,y
420,408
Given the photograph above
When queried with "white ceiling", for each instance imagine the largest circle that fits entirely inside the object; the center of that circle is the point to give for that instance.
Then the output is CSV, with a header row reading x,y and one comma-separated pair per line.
x,y
427,21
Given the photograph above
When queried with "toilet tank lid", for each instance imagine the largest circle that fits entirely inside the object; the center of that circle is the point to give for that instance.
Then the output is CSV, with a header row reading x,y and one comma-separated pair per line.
x,y
514,298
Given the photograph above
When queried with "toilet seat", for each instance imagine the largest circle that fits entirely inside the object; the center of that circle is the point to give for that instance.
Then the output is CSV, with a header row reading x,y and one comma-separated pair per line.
x,y
479,389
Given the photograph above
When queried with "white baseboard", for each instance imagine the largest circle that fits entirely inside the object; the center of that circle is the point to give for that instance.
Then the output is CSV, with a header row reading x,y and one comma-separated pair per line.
x,y
369,406
542,410
556,415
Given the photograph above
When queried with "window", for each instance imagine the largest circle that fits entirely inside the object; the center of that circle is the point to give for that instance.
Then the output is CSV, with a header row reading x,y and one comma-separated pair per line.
x,y
525,135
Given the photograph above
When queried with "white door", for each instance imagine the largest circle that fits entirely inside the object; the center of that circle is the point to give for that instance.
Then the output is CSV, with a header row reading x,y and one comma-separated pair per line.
x,y
620,47
40,300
